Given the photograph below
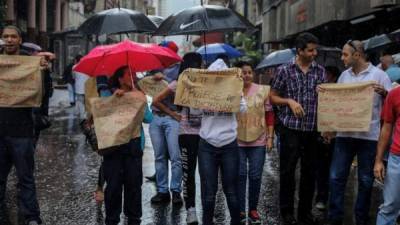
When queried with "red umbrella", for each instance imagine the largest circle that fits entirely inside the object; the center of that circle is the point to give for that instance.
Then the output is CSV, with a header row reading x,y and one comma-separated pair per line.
x,y
106,59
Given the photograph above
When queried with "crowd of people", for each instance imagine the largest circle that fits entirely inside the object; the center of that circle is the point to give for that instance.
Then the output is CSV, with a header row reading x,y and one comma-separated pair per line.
x,y
230,148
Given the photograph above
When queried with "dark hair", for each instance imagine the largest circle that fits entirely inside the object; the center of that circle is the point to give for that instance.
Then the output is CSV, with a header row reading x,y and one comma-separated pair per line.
x,y
305,38
190,60
78,58
12,27
240,64
114,79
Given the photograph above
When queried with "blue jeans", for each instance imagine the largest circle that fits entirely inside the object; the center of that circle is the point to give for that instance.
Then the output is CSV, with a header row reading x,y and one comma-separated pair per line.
x,y
345,150
19,151
211,161
254,158
71,93
389,210
164,133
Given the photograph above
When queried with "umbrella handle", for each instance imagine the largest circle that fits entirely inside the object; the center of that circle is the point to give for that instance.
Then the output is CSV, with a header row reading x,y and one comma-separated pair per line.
x,y
130,70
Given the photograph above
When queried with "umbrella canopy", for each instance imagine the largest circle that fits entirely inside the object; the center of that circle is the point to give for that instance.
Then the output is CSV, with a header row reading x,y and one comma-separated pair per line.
x,y
203,19
277,58
157,20
117,20
377,42
31,47
395,35
211,51
327,56
105,60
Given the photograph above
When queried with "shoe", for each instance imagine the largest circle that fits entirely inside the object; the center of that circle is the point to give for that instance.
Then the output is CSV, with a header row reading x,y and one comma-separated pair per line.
x,y
307,219
289,219
161,198
254,217
320,206
151,178
176,198
33,222
191,217
72,104
243,218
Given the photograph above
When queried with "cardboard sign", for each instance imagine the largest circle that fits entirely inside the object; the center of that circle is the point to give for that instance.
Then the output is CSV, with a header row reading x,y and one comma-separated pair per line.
x,y
90,92
118,119
20,81
210,90
345,107
152,87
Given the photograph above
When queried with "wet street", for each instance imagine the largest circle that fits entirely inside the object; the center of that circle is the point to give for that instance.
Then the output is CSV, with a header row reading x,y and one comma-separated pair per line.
x,y
67,170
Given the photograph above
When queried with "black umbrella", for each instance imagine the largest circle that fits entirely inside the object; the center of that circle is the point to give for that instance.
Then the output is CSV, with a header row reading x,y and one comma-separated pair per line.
x,y
157,20
377,42
117,20
327,56
203,19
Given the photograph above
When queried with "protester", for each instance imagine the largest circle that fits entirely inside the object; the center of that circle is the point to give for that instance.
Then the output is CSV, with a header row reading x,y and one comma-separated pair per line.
x,y
189,126
360,144
255,134
389,210
69,79
324,154
122,167
16,143
218,151
164,131
294,90
79,88
392,69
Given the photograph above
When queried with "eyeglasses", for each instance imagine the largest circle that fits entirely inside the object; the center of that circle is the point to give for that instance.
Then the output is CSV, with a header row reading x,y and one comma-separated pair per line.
x,y
350,43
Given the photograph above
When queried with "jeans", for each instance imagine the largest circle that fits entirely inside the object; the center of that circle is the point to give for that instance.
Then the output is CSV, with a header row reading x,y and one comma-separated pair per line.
x,y
294,145
324,155
389,210
19,151
253,158
211,161
80,106
123,173
189,145
164,133
345,150
71,93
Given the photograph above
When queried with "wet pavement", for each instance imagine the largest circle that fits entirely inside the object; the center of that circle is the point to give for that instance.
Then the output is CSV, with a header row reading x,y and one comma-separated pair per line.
x,y
67,170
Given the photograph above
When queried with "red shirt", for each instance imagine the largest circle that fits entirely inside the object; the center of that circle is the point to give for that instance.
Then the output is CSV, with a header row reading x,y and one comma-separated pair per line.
x,y
391,114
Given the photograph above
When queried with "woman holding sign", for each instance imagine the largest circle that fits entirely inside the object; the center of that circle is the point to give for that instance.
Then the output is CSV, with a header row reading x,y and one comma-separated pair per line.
x,y
122,167
189,126
255,134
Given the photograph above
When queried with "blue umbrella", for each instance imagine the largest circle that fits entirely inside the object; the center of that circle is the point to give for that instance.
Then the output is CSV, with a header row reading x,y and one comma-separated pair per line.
x,y
277,58
211,51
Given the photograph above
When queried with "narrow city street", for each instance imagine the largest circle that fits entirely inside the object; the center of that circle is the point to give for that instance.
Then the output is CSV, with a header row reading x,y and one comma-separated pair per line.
x,y
66,176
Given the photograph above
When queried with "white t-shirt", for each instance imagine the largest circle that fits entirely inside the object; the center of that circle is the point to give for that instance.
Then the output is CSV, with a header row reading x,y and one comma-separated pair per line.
x,y
372,73
220,128
80,79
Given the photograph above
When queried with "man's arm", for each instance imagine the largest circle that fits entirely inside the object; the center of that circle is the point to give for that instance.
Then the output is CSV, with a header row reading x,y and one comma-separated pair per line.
x,y
296,108
379,169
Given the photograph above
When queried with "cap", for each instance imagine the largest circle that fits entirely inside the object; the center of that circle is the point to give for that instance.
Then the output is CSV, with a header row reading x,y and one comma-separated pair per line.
x,y
170,44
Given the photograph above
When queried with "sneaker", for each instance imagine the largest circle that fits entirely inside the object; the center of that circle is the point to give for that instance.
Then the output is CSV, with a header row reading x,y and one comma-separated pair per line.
x,y
289,219
176,198
191,217
254,217
320,206
243,218
161,198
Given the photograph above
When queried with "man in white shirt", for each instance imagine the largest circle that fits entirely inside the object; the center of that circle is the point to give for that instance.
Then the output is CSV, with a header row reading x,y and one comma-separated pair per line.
x,y
362,144
80,79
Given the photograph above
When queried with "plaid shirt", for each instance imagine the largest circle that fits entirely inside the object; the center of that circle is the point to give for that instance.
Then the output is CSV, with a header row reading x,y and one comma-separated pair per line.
x,y
291,82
